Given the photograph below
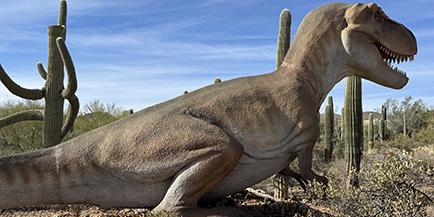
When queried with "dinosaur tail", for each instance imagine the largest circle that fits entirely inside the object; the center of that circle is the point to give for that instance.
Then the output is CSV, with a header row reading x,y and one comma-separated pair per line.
x,y
35,178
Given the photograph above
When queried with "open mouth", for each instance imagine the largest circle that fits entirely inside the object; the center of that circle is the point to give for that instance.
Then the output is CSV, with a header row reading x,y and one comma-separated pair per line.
x,y
390,57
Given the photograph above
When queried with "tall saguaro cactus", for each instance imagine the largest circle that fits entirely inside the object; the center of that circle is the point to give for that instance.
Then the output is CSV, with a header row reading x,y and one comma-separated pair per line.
x,y
283,42
329,130
284,38
343,124
353,128
383,124
371,132
53,91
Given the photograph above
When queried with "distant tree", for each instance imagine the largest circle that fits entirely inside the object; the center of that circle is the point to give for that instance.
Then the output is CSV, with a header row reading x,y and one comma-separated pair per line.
x,y
97,106
415,111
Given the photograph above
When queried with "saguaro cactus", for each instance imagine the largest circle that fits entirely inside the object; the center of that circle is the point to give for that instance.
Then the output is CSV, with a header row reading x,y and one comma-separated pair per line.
x,y
383,124
283,42
53,91
329,130
342,125
353,128
284,38
404,130
371,132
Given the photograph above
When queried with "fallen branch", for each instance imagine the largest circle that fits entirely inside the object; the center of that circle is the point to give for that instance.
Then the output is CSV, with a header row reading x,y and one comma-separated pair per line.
x,y
261,194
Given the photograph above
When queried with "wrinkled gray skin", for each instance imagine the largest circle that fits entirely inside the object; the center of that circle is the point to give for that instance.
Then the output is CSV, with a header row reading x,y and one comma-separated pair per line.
x,y
219,139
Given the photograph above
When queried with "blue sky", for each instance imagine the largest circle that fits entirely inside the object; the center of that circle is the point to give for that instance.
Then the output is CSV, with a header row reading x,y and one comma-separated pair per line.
x,y
136,53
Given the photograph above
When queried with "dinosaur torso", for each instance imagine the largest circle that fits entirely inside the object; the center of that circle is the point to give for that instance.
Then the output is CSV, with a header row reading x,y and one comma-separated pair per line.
x,y
266,114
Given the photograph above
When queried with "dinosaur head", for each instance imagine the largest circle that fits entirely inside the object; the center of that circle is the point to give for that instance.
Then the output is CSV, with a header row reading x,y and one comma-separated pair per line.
x,y
373,41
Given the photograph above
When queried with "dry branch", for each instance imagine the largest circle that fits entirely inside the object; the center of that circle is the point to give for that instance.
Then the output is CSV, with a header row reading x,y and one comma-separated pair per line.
x,y
260,194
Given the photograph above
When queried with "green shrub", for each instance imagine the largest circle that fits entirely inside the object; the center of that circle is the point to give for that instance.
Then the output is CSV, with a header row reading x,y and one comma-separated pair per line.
x,y
425,136
390,186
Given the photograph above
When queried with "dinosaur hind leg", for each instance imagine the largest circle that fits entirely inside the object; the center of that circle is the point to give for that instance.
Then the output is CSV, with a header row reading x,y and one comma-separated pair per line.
x,y
221,154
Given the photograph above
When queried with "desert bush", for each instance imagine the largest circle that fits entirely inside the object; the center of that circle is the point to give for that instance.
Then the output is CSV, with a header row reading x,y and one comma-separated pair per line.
x,y
425,154
96,105
389,186
425,136
400,142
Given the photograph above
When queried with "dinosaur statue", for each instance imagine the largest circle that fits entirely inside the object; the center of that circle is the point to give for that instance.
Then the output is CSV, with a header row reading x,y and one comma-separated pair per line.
x,y
222,138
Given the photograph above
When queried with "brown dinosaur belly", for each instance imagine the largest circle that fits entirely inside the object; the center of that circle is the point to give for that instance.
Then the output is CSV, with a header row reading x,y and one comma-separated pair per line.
x,y
247,173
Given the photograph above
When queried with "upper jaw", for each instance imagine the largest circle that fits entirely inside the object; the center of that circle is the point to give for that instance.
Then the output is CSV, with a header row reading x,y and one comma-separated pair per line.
x,y
390,57
376,64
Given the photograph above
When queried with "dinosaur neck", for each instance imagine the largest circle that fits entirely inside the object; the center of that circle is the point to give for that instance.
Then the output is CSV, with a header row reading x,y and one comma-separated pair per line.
x,y
321,56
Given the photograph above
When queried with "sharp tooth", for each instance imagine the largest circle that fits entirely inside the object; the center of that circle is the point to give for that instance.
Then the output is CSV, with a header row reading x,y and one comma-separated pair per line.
x,y
411,58
398,60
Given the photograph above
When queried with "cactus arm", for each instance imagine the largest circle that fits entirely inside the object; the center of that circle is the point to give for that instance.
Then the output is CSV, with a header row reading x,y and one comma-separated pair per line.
x,y
63,13
34,94
31,115
42,71
74,106
70,89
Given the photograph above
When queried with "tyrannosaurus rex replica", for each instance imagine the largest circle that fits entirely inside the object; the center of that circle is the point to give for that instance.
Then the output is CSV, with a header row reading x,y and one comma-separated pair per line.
x,y
222,138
